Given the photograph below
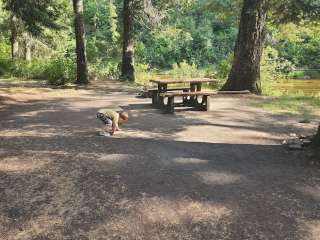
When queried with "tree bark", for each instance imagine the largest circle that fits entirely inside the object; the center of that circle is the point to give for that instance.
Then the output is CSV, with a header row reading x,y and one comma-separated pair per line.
x,y
27,47
316,139
82,66
245,72
127,69
14,39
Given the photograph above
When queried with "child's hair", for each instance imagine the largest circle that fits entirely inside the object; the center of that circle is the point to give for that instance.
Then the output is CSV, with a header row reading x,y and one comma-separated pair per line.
x,y
124,116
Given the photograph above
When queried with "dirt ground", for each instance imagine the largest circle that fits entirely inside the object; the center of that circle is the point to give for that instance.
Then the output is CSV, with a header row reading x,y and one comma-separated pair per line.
x,y
193,175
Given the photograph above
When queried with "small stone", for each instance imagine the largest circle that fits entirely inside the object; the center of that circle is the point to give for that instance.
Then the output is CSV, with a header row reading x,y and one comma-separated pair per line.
x,y
306,142
293,135
305,121
301,136
295,147
284,142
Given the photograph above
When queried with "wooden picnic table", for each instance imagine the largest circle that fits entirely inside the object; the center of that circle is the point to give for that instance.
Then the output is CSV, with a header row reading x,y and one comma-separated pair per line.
x,y
195,86
195,83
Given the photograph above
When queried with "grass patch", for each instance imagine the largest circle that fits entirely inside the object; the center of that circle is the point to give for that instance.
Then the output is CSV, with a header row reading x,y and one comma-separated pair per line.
x,y
22,81
306,106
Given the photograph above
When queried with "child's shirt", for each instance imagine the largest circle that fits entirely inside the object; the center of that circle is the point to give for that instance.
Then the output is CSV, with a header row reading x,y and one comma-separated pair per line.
x,y
111,114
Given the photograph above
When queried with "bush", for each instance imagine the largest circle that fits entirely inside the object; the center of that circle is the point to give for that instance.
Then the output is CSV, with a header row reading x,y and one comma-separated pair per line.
x,y
224,67
184,70
102,71
34,69
7,66
60,71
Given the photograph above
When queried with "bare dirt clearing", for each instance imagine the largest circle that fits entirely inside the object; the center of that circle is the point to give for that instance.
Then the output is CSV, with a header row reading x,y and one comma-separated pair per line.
x,y
193,175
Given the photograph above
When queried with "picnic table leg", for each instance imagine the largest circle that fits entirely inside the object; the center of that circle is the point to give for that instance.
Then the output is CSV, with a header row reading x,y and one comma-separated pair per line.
x,y
207,103
154,98
199,87
185,98
194,87
161,89
169,108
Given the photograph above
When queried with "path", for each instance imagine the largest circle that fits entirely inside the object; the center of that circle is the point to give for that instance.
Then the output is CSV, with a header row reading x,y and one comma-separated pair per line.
x,y
195,175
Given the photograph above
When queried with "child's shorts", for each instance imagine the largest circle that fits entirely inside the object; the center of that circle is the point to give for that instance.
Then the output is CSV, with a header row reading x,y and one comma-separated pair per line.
x,y
104,119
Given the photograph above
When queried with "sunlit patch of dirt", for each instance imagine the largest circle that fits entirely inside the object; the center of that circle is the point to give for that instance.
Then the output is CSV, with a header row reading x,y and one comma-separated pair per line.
x,y
112,158
29,133
313,191
37,228
218,178
160,218
16,164
312,229
168,212
190,161
34,113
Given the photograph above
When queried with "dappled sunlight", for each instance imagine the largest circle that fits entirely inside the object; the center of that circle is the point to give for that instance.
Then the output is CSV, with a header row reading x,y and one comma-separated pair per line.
x,y
131,133
112,158
21,164
190,161
161,218
313,191
40,226
182,176
174,212
218,133
312,230
47,132
34,113
219,178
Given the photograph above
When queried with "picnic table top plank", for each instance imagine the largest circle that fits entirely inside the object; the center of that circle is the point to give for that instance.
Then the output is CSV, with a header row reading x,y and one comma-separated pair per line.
x,y
180,94
173,81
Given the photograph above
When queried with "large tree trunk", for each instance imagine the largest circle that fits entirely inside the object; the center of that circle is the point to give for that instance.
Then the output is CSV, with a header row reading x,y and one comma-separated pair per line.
x,y
245,72
317,138
14,39
27,47
127,69
82,66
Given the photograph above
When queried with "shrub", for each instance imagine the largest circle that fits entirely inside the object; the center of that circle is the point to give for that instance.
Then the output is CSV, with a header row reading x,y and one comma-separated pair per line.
x,y
7,66
60,71
224,67
102,71
184,70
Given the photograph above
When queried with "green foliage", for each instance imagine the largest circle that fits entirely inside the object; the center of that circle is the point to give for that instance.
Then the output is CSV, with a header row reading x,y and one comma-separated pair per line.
x,y
5,49
305,106
104,70
60,71
103,38
56,71
224,67
195,32
6,66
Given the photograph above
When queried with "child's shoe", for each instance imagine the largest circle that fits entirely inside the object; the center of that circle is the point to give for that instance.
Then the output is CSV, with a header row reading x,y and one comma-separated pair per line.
x,y
104,134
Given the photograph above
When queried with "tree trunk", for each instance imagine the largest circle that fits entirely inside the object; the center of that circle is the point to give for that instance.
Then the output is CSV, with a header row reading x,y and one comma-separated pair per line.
x,y
245,72
82,67
316,139
14,39
127,69
27,47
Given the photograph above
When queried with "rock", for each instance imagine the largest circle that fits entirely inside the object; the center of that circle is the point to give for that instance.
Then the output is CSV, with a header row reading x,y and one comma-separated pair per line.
x,y
305,121
301,136
295,147
293,135
306,142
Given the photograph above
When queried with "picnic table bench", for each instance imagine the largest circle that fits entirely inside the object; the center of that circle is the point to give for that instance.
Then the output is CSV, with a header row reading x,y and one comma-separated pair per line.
x,y
189,99
189,94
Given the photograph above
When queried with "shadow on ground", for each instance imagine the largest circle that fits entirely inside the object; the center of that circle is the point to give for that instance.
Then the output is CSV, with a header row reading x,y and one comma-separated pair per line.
x,y
59,180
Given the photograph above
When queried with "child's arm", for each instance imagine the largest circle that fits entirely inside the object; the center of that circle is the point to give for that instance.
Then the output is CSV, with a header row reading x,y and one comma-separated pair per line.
x,y
115,127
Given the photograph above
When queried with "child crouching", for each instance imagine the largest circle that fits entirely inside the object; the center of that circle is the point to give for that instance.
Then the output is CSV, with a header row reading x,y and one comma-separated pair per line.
x,y
111,119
